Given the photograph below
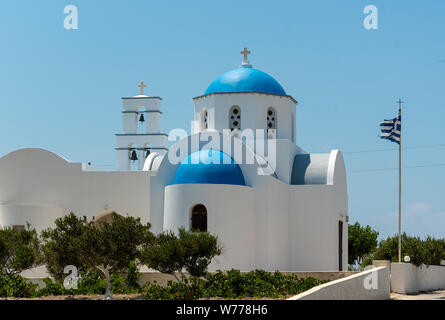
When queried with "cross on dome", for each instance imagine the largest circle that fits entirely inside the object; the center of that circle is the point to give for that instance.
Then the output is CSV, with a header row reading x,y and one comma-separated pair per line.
x,y
246,62
142,85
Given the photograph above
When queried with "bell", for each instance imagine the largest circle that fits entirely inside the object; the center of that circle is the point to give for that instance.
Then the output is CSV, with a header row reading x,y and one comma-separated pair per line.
x,y
134,156
147,152
141,118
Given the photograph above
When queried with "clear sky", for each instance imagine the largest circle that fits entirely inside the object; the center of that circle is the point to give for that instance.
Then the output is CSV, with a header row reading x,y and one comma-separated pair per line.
x,y
61,89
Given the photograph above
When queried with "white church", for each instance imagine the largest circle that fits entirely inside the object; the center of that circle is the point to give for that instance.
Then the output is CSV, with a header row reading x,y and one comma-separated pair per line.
x,y
238,175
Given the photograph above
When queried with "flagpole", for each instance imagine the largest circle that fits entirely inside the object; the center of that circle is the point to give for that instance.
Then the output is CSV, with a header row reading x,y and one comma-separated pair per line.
x,y
400,182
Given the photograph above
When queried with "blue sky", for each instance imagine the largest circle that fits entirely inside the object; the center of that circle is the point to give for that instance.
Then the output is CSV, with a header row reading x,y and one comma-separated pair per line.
x,y
61,89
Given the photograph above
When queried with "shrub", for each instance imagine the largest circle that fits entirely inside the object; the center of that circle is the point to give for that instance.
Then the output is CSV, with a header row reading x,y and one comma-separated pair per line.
x,y
16,286
53,289
132,277
91,282
232,284
257,283
189,290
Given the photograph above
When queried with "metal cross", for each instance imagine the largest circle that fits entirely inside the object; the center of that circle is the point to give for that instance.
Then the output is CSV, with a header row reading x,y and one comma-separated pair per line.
x,y
142,85
400,103
245,52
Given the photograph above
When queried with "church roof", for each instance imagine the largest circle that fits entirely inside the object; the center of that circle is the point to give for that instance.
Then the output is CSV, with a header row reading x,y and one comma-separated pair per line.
x,y
209,167
245,79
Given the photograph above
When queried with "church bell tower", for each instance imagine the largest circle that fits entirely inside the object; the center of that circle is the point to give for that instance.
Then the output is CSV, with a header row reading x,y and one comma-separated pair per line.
x,y
141,126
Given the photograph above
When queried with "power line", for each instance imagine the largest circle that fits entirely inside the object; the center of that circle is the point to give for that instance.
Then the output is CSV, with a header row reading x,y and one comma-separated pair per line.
x,y
407,167
392,149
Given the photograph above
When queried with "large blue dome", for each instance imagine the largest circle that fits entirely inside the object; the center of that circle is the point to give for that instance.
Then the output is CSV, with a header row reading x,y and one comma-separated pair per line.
x,y
245,79
209,167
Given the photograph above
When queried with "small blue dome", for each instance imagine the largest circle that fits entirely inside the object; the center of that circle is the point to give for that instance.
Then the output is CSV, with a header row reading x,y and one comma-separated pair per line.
x,y
245,79
209,167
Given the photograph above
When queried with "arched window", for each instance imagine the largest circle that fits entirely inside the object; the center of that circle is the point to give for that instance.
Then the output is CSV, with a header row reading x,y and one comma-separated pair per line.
x,y
141,118
199,218
204,119
133,157
235,118
271,117
147,150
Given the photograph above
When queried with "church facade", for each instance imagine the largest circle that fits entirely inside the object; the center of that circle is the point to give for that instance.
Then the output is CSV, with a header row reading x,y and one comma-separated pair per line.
x,y
239,175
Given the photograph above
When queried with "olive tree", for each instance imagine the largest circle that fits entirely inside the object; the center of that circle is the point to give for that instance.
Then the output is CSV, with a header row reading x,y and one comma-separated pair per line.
x,y
111,246
19,250
191,251
108,246
62,243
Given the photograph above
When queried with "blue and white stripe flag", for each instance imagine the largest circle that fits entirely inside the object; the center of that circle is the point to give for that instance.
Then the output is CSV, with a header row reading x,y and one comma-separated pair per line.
x,y
391,129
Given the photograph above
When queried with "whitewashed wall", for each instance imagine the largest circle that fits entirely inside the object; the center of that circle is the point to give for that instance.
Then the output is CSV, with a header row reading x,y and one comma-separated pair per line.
x,y
41,184
230,216
407,278
355,287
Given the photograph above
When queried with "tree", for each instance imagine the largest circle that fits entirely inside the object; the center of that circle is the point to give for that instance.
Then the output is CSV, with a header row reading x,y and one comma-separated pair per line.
x,y
19,250
165,255
361,242
62,243
191,251
200,249
108,246
111,246
429,251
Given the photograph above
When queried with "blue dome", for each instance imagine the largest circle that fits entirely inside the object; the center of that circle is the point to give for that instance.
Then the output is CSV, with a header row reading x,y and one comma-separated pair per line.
x,y
209,167
245,79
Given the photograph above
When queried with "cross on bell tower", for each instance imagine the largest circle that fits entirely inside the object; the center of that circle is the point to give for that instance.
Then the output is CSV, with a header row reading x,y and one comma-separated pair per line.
x,y
245,63
142,85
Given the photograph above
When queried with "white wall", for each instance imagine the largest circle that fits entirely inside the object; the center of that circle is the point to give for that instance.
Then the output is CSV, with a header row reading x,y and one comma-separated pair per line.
x,y
230,216
37,216
352,287
253,111
407,278
295,227
42,184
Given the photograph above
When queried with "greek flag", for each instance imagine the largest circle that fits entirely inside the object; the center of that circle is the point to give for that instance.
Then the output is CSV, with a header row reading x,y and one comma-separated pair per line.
x,y
391,129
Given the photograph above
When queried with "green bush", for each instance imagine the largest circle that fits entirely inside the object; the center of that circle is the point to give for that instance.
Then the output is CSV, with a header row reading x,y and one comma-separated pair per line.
x,y
257,283
132,277
429,251
16,286
190,290
232,284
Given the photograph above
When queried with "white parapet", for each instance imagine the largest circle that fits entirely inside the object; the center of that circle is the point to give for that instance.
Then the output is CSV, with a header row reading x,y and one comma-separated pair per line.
x,y
408,278
372,284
